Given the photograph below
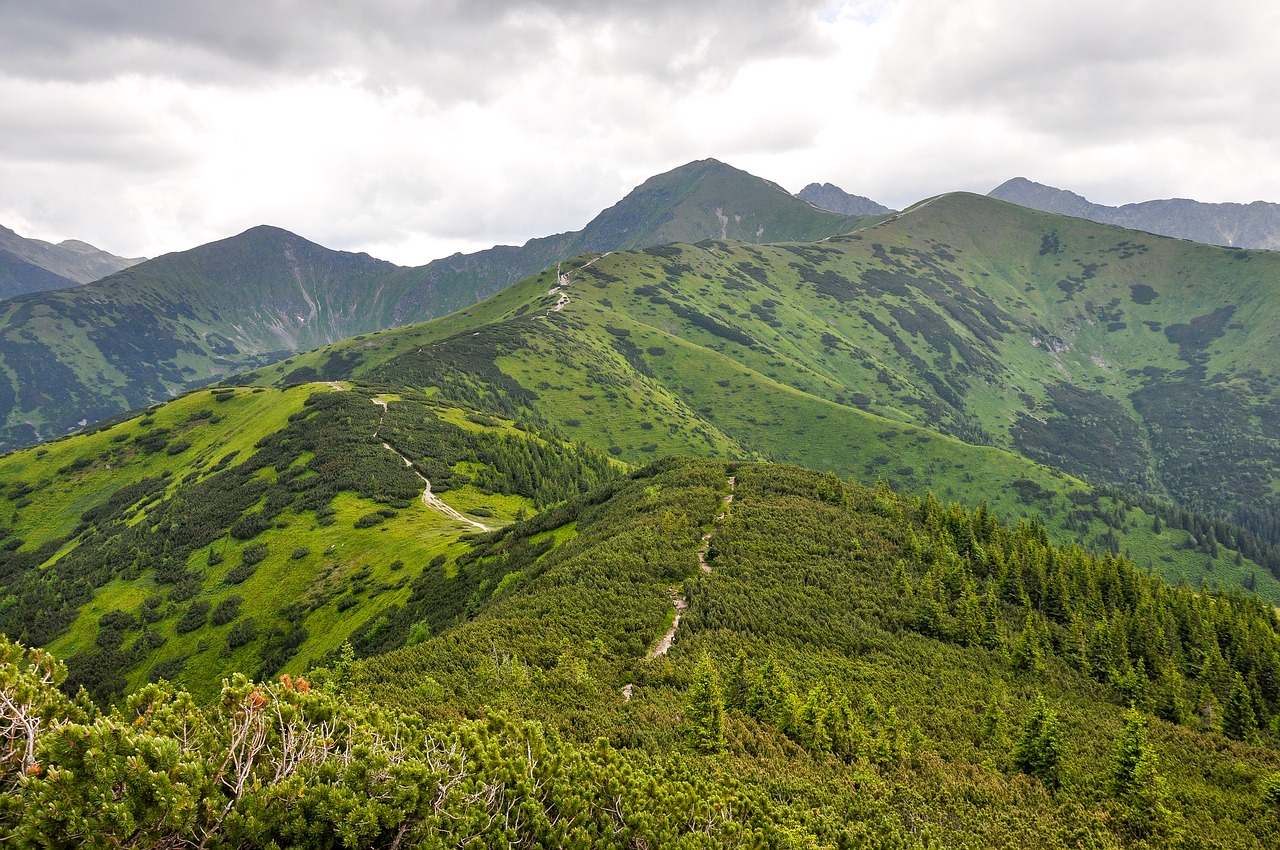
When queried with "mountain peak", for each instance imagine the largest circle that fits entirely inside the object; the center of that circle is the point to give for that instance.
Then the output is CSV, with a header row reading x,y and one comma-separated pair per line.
x,y
706,199
1028,193
827,196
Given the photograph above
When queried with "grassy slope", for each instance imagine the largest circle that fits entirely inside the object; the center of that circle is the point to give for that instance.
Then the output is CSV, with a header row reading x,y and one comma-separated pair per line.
x,y
187,318
343,575
946,317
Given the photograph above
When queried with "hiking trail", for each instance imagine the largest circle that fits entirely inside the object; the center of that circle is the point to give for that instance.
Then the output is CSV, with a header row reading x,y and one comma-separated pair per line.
x,y
562,284
429,499
678,601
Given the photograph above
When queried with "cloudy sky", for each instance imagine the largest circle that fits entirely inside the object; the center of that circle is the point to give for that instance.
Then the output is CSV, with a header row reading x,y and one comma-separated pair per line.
x,y
415,128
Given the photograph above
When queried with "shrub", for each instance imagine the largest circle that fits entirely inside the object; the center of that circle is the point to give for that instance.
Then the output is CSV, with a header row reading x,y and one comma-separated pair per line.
x,y
243,632
240,574
227,610
195,618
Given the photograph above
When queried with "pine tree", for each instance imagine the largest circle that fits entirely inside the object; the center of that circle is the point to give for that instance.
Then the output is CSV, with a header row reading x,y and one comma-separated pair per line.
x,y
847,734
1208,710
969,620
1040,749
772,698
992,633
1238,718
739,683
995,734
812,723
705,710
1027,654
1170,704
901,583
1135,780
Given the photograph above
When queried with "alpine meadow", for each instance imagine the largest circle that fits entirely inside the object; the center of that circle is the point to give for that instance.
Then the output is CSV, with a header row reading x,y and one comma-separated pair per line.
x,y
725,521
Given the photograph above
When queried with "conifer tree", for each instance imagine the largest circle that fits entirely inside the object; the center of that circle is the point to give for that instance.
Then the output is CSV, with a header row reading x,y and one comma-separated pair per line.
x,y
812,724
1170,704
1208,710
969,620
1027,654
995,733
1135,780
847,734
1238,718
1040,749
706,708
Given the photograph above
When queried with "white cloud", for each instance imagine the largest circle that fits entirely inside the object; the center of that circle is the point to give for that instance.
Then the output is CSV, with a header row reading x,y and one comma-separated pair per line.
x,y
413,129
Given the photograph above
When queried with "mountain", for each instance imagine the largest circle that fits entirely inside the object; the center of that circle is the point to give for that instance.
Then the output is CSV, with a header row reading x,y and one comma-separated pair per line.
x,y
1039,344
188,318
1255,225
31,265
826,196
486,603
78,355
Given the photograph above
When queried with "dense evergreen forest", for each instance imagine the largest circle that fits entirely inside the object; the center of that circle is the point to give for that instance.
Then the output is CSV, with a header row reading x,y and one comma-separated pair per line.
x,y
854,668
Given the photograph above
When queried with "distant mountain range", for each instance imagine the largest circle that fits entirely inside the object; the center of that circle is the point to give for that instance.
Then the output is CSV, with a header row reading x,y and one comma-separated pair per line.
x,y
33,265
181,320
1255,225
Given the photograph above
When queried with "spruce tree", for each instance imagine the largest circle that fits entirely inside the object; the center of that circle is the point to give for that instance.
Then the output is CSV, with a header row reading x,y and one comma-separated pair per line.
x,y
1135,780
706,708
1040,750
812,724
1238,719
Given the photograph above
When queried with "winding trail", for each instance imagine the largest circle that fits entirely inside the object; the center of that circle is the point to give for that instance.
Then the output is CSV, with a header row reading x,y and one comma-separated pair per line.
x,y
681,605
429,499
678,601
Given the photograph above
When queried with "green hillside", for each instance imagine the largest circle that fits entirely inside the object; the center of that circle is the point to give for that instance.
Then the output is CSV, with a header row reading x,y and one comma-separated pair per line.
x,y
183,320
851,669
240,529
1037,343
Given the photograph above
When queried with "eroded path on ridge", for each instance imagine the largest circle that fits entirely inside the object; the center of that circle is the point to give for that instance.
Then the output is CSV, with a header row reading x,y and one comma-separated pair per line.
x,y
429,499
562,284
678,601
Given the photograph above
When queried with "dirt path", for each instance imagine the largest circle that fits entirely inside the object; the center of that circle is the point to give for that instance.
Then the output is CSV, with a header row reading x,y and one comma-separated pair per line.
x,y
429,499
706,537
562,284
677,600
664,645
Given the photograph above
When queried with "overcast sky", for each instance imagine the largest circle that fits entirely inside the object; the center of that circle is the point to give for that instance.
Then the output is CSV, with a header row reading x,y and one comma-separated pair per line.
x,y
415,128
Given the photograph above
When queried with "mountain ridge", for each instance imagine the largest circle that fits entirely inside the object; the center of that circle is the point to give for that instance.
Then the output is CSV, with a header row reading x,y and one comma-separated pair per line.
x,y
1043,342
828,196
33,265
1252,225
196,316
